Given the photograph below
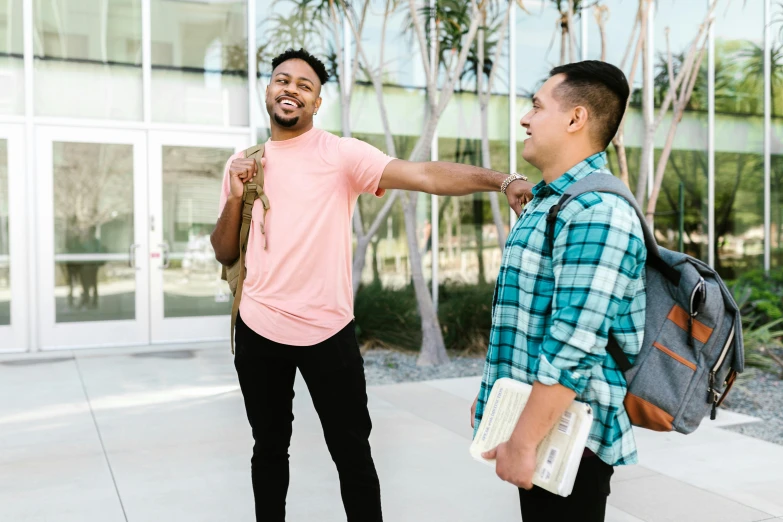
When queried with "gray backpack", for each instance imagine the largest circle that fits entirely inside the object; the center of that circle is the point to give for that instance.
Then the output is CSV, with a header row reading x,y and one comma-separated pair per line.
x,y
692,349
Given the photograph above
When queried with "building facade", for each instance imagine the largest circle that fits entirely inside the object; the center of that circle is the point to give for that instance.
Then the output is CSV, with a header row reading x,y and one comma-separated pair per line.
x,y
117,116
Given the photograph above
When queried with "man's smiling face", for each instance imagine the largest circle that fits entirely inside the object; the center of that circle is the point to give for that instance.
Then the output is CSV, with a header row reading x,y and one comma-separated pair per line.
x,y
293,94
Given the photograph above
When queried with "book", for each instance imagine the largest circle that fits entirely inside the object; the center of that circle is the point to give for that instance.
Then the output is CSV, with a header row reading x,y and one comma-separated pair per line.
x,y
558,456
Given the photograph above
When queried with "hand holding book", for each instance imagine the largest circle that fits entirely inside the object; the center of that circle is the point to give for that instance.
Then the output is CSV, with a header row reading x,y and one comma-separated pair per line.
x,y
557,456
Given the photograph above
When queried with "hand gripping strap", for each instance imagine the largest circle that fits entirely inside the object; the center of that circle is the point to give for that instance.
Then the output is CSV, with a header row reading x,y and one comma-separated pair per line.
x,y
253,189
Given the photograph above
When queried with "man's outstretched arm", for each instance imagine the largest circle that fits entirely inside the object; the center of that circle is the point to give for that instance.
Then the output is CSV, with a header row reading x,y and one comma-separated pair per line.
x,y
452,179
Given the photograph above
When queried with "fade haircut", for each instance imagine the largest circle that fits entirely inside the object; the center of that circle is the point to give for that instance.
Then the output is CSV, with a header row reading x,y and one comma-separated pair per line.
x,y
599,87
301,54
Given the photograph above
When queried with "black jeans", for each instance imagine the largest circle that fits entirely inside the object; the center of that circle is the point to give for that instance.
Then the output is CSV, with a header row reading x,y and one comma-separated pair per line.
x,y
587,502
334,373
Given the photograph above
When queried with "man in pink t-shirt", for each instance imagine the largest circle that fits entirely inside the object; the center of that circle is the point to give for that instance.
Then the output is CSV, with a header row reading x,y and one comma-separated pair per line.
x,y
297,301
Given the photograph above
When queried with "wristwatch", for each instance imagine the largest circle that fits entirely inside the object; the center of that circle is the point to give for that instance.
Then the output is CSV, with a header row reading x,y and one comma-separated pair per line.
x,y
515,176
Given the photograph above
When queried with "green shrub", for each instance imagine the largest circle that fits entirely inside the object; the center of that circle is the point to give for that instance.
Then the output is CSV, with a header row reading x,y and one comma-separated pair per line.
x,y
760,299
759,296
388,317
465,314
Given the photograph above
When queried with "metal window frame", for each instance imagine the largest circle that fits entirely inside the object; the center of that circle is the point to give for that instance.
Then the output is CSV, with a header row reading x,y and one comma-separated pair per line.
x,y
31,122
711,141
512,98
767,134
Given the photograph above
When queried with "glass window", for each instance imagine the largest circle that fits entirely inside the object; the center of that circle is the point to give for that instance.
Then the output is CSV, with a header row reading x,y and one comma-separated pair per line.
x,y
777,138
537,51
777,205
681,218
739,143
619,17
88,59
541,44
93,232
386,263
469,233
199,62
402,60
192,178
5,263
11,58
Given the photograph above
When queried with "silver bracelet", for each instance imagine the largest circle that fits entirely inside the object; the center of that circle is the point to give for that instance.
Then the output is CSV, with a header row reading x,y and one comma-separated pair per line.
x,y
510,180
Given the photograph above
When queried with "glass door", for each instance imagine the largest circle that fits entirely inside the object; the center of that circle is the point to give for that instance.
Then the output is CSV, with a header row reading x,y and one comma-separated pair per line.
x,y
13,302
189,301
92,237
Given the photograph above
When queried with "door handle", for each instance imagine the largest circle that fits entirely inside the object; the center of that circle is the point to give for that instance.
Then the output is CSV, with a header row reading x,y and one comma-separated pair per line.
x,y
166,251
132,256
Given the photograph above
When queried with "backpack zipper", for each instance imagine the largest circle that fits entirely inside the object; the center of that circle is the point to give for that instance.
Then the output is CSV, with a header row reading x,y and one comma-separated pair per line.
x,y
701,289
725,351
713,396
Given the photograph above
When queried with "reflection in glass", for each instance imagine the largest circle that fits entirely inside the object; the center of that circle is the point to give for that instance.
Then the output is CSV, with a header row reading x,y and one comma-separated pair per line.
x,y
777,212
11,58
5,274
739,165
192,179
469,248
386,263
88,59
681,217
93,232
199,62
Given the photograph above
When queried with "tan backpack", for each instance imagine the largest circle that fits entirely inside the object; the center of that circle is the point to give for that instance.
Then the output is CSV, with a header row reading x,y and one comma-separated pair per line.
x,y
235,273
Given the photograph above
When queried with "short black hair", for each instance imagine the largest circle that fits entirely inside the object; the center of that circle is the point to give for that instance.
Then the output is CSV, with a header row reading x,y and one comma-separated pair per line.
x,y
598,86
301,54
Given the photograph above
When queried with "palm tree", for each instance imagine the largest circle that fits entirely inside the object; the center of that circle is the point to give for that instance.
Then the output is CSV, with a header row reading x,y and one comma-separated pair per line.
x,y
568,9
751,63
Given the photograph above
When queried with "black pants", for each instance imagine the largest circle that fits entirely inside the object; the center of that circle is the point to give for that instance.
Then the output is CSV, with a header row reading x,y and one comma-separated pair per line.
x,y
587,502
334,373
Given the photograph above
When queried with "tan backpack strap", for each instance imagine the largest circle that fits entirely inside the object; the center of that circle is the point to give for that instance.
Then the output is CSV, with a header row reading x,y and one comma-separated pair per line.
x,y
248,198
257,152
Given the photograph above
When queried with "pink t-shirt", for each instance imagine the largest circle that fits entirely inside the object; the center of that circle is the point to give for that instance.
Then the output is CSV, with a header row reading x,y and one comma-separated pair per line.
x,y
298,291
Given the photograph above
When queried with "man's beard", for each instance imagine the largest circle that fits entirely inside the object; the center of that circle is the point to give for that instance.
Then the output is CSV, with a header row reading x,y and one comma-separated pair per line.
x,y
287,123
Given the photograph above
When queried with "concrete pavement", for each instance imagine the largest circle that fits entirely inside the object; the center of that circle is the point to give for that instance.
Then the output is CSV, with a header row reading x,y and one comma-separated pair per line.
x,y
162,436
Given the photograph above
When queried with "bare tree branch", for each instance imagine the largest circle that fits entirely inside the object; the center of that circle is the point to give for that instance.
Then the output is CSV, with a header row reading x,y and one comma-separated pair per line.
x,y
571,35
601,17
422,45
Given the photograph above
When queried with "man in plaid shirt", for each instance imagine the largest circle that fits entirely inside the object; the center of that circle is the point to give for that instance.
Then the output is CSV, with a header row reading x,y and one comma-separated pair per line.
x,y
553,310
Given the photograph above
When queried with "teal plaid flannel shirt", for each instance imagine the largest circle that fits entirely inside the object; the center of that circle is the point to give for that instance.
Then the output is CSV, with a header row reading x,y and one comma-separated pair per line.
x,y
551,314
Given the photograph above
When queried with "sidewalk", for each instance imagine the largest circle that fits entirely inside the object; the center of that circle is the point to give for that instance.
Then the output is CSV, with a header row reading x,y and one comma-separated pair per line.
x,y
162,436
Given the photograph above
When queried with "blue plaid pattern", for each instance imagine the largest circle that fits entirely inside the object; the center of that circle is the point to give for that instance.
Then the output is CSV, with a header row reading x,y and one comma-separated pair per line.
x,y
551,314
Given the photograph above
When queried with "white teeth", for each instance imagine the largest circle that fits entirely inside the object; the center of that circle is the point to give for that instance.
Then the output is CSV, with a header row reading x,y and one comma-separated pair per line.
x,y
288,102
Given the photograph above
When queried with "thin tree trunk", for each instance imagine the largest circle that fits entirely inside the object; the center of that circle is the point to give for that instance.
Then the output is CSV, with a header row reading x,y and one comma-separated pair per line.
x,y
670,99
571,35
619,140
601,15
563,42
484,99
679,111
478,220
363,238
622,158
433,347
